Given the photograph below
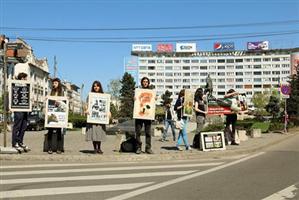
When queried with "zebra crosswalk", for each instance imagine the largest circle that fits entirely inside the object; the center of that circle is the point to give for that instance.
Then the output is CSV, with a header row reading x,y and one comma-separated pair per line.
x,y
78,180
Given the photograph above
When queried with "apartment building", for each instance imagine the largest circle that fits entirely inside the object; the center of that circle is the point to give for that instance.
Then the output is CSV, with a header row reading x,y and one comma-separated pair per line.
x,y
246,71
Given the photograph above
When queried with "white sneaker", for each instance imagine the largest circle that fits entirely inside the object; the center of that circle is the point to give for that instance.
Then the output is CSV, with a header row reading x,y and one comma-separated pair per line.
x,y
18,148
189,148
179,148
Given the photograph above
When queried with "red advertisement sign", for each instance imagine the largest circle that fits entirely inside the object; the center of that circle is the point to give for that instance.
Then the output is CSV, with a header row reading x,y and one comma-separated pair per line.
x,y
164,48
218,110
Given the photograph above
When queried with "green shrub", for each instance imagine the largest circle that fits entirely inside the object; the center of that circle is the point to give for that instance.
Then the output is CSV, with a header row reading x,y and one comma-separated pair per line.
x,y
264,126
78,120
276,126
213,127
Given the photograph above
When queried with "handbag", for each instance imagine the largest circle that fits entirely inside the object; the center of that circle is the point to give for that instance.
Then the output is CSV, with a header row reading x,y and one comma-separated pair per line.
x,y
179,124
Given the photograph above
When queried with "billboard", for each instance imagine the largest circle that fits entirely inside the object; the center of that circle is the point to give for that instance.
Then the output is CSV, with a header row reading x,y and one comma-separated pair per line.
x,y
164,48
294,63
261,45
224,46
141,47
185,47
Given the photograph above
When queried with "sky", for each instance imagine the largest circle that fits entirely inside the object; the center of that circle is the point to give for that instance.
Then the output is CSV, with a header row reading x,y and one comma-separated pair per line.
x,y
75,30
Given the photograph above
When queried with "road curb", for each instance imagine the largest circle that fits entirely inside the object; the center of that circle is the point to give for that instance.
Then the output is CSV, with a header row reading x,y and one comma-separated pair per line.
x,y
131,157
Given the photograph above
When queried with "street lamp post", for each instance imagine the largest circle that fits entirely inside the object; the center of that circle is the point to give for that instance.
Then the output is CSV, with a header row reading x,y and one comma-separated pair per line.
x,y
5,102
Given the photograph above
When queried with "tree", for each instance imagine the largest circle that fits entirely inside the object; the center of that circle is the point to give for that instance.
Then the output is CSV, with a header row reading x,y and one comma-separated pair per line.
x,y
293,101
260,101
127,96
273,106
166,98
114,87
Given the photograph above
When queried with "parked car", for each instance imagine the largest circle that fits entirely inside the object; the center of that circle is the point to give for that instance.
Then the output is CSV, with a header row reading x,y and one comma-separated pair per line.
x,y
36,121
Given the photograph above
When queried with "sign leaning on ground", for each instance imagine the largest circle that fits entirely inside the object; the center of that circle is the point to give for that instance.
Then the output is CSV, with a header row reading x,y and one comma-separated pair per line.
x,y
19,96
98,108
56,112
212,141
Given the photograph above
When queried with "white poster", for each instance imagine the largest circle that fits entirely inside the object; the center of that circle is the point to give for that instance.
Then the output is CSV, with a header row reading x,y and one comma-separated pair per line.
x,y
98,108
56,112
144,105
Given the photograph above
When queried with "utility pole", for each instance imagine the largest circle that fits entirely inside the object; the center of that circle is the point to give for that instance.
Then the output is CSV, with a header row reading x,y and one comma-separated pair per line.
x,y
5,94
55,67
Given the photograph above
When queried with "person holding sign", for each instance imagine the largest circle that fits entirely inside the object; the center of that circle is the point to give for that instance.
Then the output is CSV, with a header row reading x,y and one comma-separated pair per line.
x,y
145,84
56,91
179,107
231,119
20,125
96,132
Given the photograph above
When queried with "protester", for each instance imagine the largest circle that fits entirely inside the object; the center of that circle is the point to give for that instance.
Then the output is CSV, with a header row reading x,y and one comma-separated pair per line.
x,y
231,119
96,132
145,84
200,111
169,121
20,125
56,91
179,108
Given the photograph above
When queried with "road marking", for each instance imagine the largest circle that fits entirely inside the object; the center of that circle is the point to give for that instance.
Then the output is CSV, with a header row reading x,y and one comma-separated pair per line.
x,y
107,169
287,193
94,177
71,190
180,179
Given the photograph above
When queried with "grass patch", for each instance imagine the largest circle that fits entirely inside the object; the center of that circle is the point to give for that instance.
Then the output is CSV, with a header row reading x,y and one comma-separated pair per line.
x,y
264,126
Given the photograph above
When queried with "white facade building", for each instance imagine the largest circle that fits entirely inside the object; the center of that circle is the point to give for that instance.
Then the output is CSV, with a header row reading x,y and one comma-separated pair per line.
x,y
245,71
74,95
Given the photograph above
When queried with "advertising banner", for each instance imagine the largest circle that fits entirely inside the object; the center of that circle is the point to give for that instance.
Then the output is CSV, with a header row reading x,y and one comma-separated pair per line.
x,y
19,96
56,112
98,108
212,141
294,63
141,47
262,45
185,47
164,48
224,46
188,103
144,104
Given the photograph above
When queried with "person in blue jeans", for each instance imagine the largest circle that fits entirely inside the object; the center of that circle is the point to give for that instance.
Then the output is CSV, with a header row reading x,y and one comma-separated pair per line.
x,y
179,107
169,121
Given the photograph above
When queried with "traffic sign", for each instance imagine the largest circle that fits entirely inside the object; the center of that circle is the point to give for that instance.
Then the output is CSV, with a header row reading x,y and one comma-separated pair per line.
x,y
285,90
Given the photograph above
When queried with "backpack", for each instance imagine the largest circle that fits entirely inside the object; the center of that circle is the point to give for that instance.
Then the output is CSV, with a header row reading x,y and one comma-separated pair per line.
x,y
129,145
196,141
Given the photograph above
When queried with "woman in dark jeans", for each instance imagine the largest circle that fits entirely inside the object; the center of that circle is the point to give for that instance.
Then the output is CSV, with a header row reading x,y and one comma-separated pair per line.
x,y
56,91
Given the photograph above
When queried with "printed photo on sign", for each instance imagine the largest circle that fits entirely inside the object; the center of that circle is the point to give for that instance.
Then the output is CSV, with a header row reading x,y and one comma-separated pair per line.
x,y
98,108
212,141
19,96
144,105
188,103
56,112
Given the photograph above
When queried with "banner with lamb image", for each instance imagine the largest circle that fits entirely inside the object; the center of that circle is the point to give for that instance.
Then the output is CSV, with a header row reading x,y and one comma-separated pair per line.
x,y
56,112
144,105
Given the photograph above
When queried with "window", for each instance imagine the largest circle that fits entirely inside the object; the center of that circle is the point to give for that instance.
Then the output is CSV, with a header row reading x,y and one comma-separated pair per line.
x,y
177,67
203,67
257,60
142,67
248,73
230,80
239,86
239,80
221,67
186,74
195,67
168,61
257,66
159,61
168,80
212,67
221,61
203,61
151,61
285,72
168,74
230,73
160,68
195,73
186,61
221,73
285,65
177,74
195,80
266,72
239,66
168,86
177,80
221,93
257,80
186,80
230,61
195,61
239,60
186,67
168,67
212,61
248,60
247,66
275,72
239,73
177,61
221,80
257,86
151,74
221,86
203,74
257,73
266,59
230,67
151,67
160,74
275,59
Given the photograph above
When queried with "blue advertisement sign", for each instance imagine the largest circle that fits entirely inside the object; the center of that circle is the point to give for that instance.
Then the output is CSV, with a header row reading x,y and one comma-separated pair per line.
x,y
224,46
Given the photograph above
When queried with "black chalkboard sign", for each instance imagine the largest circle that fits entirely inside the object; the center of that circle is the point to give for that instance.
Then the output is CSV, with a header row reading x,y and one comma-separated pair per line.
x,y
19,95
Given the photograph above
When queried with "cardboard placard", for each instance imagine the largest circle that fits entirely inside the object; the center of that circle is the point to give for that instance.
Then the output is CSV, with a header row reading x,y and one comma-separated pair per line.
x,y
19,96
98,108
56,112
144,105
212,141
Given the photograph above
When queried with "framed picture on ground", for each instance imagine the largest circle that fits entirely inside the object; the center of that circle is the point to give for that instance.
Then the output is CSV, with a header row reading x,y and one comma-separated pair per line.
x,y
188,103
56,115
144,105
212,141
19,96
98,108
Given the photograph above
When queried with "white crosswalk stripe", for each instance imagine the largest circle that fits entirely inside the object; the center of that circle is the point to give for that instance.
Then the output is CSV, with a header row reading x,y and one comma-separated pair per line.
x,y
73,181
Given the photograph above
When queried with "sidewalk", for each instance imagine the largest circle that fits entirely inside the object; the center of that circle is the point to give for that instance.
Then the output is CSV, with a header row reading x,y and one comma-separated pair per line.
x,y
77,149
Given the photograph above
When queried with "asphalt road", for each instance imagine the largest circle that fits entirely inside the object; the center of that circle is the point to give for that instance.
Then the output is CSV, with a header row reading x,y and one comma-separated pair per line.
x,y
255,176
